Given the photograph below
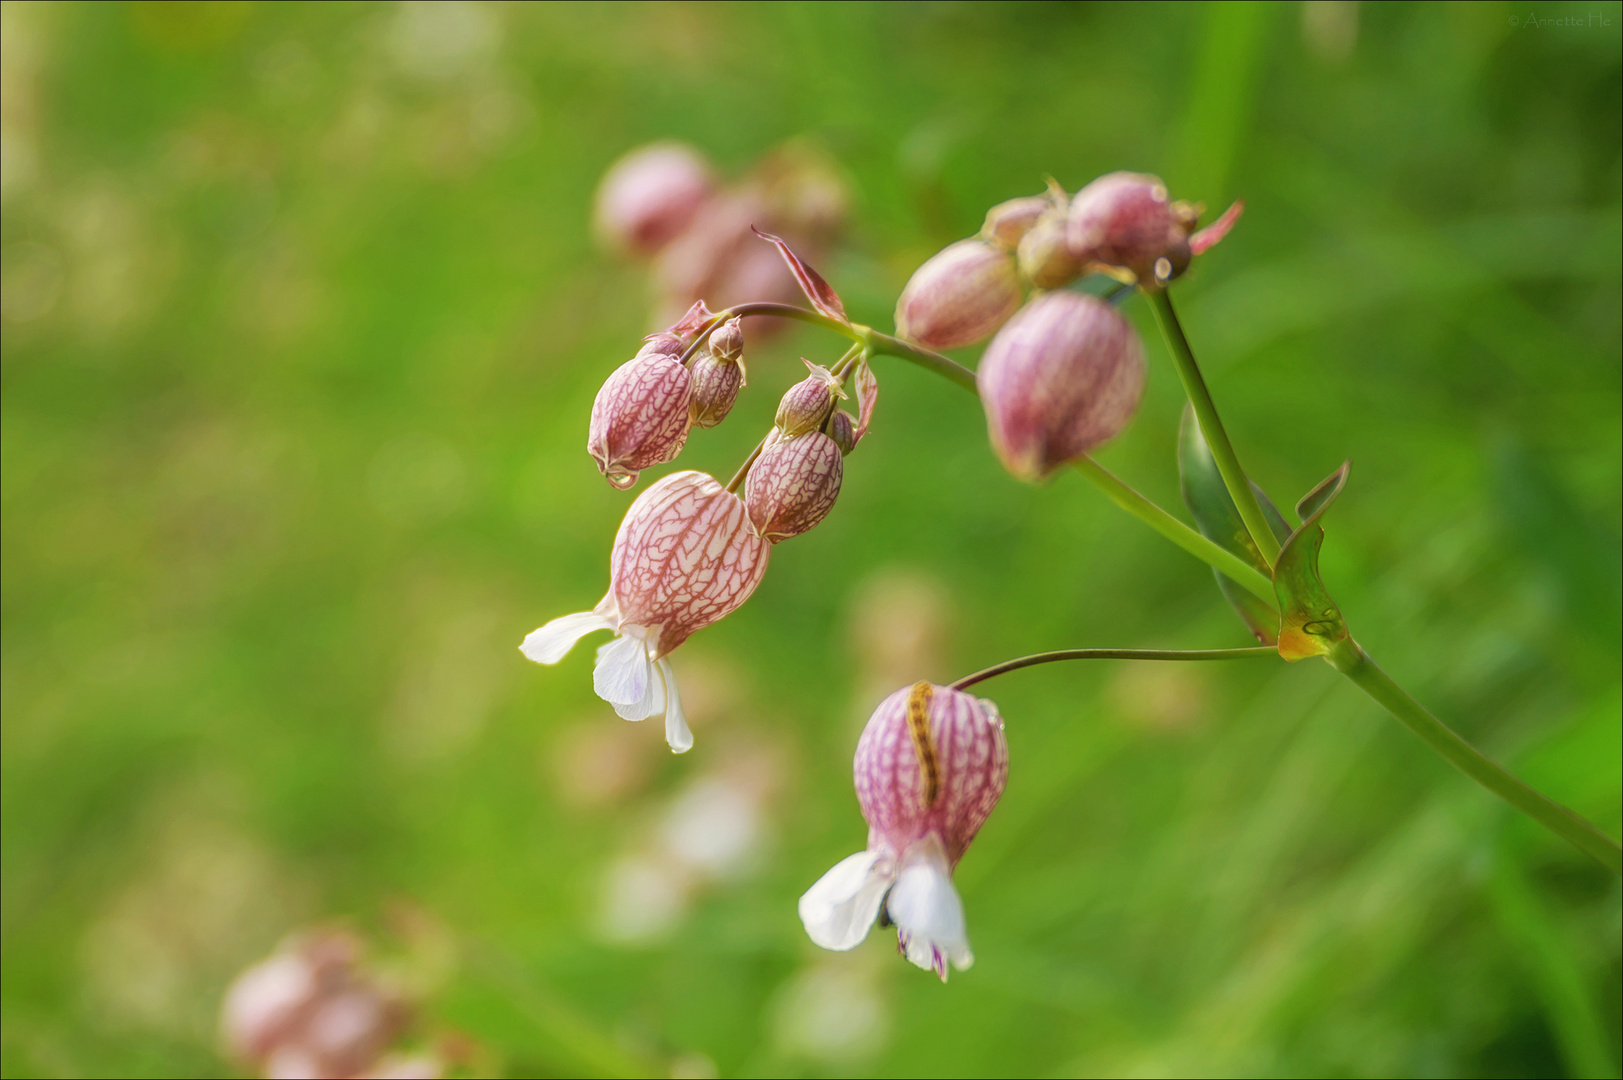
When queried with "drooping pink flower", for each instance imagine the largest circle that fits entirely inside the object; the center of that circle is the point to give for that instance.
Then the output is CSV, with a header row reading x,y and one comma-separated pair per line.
x,y
1062,377
929,768
650,195
793,484
685,556
640,417
959,296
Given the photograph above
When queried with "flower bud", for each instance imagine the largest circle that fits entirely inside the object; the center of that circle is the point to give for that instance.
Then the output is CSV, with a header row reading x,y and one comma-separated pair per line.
x,y
1062,377
842,428
640,416
727,340
959,296
716,381
806,404
1125,222
793,484
650,195
1008,221
1045,253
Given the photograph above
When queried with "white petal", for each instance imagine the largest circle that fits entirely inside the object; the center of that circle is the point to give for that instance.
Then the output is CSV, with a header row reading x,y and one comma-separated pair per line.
x,y
676,723
926,910
840,909
549,644
624,678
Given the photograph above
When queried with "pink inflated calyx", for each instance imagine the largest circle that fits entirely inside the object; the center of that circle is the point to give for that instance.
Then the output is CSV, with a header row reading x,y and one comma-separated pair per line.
x,y
640,417
685,556
793,484
959,296
932,761
1064,376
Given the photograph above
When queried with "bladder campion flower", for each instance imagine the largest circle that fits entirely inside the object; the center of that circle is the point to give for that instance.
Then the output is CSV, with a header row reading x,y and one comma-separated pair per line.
x,y
929,767
685,556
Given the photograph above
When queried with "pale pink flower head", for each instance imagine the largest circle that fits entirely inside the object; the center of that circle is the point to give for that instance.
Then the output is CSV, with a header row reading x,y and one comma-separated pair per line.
x,y
959,296
311,1009
685,556
929,768
1062,377
793,484
650,195
640,417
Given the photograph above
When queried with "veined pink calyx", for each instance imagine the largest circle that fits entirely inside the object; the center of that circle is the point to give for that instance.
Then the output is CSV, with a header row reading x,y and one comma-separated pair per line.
x,y
685,556
929,767
793,484
640,416
1064,375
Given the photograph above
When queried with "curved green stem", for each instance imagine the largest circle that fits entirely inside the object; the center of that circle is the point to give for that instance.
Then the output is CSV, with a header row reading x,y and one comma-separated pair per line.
x,y
1352,661
1219,558
1228,463
1112,654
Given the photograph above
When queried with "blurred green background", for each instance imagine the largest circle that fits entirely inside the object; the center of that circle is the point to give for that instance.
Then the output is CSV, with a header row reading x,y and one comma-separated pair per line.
x,y
303,321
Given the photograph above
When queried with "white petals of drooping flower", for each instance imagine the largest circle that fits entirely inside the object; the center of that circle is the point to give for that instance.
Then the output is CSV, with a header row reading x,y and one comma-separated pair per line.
x,y
625,677
840,909
677,734
927,912
553,641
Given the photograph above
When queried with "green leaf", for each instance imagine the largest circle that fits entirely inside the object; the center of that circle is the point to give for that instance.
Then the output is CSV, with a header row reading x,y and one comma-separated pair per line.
x,y
1310,622
1219,521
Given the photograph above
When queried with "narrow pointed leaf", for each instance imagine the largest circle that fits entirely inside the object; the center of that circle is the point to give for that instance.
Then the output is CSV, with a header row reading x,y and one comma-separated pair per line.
x,y
1219,521
1310,622
819,292
867,398
1207,238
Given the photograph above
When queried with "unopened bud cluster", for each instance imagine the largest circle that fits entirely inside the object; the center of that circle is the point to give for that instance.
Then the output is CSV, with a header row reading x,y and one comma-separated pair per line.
x,y
646,408
663,203
1065,370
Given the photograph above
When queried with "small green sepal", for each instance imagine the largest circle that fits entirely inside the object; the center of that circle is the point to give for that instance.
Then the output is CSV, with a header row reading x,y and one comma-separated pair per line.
x,y
1310,622
1219,521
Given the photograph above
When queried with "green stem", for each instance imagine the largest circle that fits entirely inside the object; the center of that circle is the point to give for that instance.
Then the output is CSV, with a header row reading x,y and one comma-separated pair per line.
x,y
1219,558
1228,463
1120,493
1112,654
1351,660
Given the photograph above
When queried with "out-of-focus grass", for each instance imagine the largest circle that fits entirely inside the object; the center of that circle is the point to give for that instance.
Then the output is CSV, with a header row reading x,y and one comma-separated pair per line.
x,y
302,324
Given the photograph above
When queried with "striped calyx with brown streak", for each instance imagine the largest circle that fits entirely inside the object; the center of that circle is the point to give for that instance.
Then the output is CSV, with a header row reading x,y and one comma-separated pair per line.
x,y
918,726
932,761
685,556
